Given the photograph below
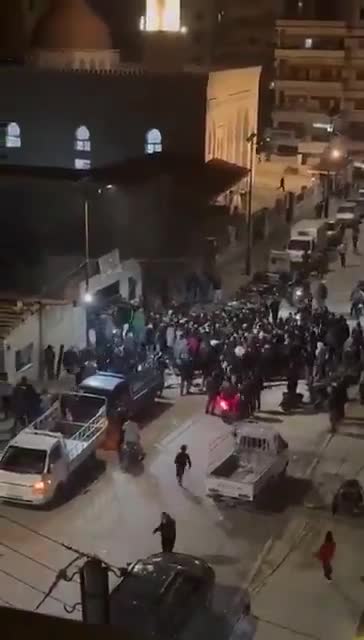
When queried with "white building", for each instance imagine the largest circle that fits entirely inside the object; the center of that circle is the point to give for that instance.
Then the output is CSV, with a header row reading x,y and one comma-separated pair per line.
x,y
319,86
27,327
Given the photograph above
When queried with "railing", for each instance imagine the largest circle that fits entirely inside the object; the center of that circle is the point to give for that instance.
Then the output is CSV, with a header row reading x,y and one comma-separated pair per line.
x,y
87,432
45,421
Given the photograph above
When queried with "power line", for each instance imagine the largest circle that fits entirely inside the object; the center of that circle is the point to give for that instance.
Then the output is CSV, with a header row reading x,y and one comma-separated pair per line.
x,y
30,558
32,587
67,547
62,574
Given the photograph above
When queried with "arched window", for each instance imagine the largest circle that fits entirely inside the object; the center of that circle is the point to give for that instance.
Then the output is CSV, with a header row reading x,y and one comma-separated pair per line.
x,y
153,141
82,139
13,135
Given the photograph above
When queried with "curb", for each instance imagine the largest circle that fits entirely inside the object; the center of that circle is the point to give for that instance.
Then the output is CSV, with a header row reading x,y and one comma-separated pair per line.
x,y
283,554
259,562
316,460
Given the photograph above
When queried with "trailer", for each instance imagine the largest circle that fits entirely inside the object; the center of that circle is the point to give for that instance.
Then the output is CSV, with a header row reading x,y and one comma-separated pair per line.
x,y
38,464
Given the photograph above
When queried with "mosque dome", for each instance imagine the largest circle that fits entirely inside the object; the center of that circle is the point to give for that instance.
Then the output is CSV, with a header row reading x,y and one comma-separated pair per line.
x,y
71,25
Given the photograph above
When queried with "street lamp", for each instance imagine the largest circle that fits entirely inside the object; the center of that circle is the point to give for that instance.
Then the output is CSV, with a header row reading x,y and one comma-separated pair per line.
x,y
86,218
248,265
334,154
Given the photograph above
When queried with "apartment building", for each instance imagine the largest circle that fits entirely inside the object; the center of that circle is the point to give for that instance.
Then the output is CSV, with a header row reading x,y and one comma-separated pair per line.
x,y
319,86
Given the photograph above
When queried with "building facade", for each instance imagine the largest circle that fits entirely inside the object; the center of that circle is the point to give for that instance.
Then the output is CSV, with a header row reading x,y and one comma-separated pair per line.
x,y
319,86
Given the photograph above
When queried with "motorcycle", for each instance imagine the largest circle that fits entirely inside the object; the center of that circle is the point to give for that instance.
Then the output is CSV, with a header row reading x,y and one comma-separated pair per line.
x,y
131,455
291,402
348,499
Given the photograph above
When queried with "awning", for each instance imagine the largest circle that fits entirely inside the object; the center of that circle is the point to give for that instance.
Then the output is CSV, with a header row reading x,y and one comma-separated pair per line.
x,y
212,178
220,176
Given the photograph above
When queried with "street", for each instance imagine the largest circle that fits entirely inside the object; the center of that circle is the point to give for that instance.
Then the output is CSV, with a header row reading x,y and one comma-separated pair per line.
x,y
269,547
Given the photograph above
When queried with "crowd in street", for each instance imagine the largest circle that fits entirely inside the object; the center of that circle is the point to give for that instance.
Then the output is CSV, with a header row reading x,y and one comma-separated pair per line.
x,y
233,350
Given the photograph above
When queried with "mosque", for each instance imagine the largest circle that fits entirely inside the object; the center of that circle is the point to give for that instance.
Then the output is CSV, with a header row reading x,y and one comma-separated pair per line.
x,y
170,140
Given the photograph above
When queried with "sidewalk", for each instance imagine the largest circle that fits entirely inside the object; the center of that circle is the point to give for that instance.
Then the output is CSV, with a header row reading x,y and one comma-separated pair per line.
x,y
296,601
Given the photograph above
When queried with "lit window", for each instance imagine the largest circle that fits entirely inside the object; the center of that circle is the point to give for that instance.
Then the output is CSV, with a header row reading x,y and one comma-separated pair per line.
x,y
308,43
82,163
12,135
153,141
82,139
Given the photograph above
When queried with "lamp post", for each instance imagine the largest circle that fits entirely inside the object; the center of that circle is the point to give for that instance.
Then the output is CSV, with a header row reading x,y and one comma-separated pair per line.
x,y
248,265
335,154
86,219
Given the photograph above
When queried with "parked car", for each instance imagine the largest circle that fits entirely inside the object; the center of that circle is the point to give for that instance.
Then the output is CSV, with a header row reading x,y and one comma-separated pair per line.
x,y
131,393
163,596
334,233
348,214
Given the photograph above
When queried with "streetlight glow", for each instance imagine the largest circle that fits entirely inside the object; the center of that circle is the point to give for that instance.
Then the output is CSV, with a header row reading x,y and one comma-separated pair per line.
x,y
88,297
335,154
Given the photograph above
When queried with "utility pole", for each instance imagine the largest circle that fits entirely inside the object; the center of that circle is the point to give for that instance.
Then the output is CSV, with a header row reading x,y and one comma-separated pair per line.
x,y
248,265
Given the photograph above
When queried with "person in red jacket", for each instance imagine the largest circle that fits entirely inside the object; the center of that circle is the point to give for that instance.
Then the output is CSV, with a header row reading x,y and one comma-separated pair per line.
x,y
326,554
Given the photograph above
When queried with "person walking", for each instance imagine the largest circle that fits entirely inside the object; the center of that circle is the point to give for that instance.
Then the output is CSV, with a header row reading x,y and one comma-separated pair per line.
x,y
182,461
326,554
355,238
282,185
167,529
342,253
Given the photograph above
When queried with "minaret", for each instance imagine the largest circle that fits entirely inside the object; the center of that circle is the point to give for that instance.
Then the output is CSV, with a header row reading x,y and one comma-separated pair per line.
x,y
164,36
163,15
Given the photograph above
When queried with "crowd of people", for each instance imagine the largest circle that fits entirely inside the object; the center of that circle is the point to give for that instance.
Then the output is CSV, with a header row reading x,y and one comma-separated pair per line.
x,y
237,348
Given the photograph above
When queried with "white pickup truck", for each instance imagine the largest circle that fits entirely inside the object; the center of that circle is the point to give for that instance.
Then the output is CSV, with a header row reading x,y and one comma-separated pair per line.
x,y
242,464
38,463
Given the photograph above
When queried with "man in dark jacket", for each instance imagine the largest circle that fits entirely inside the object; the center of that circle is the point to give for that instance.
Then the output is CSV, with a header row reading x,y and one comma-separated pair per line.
x,y
213,384
167,529
182,460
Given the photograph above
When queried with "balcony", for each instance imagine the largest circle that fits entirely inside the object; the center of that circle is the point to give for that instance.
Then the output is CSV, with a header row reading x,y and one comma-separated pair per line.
x,y
324,55
300,113
310,28
311,87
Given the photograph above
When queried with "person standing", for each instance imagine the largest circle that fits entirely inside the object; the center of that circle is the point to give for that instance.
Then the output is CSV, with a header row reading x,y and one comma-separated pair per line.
x,y
213,384
49,361
342,253
167,529
182,461
274,308
326,555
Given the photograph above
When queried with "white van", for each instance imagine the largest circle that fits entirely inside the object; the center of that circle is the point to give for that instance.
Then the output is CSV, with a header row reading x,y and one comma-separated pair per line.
x,y
348,213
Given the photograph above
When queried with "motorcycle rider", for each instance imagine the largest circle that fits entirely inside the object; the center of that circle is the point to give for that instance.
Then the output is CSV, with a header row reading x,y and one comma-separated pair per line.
x,y
357,299
132,438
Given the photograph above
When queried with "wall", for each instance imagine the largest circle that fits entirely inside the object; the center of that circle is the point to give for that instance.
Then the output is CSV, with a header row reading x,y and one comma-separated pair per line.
x,y
129,268
62,325
117,108
232,114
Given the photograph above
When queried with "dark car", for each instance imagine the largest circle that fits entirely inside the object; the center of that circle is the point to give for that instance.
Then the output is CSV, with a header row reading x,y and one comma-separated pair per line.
x,y
163,595
131,392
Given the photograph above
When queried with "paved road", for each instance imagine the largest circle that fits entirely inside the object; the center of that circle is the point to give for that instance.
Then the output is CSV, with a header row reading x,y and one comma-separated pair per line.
x,y
113,514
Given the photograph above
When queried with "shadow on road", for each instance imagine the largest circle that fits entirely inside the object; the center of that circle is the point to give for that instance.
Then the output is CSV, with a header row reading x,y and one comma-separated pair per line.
x,y
154,411
289,492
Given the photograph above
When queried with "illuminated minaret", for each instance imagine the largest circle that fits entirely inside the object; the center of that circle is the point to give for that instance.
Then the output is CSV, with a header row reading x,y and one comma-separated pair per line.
x,y
163,15
164,36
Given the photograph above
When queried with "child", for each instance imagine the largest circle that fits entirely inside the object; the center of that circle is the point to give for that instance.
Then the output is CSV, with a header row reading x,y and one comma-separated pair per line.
x,y
326,554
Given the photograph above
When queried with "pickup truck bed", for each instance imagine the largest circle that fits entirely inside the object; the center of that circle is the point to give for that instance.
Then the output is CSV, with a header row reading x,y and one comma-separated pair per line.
x,y
240,477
